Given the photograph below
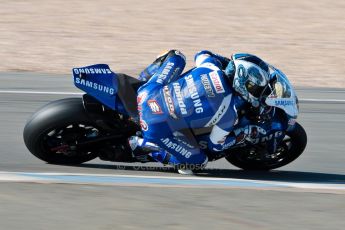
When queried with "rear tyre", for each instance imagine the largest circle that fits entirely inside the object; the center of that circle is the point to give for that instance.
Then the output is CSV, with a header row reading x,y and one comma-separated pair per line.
x,y
290,149
53,131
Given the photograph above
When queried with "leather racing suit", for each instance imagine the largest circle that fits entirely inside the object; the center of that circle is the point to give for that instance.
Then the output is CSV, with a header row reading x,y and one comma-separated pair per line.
x,y
170,104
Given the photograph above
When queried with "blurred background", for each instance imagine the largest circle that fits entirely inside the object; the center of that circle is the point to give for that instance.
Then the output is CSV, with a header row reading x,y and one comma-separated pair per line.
x,y
305,38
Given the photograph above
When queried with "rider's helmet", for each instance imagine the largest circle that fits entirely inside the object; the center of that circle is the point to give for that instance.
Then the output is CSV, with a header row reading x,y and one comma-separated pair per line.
x,y
250,77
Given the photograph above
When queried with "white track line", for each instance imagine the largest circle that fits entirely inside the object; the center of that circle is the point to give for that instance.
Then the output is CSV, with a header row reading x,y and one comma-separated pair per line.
x,y
83,178
80,93
39,92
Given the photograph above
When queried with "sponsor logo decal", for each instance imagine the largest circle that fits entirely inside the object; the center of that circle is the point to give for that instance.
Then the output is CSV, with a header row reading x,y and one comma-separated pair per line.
x,y
207,85
94,85
220,112
194,95
217,116
154,106
165,72
204,144
216,82
181,141
176,147
283,102
228,145
179,97
265,138
169,102
92,71
141,97
143,125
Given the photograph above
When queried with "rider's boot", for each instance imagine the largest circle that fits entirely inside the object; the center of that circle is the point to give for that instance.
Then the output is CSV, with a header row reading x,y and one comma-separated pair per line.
x,y
146,151
169,159
143,151
139,152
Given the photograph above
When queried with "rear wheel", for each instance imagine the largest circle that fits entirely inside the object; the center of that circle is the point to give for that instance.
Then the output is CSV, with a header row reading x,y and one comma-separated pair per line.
x,y
54,131
257,158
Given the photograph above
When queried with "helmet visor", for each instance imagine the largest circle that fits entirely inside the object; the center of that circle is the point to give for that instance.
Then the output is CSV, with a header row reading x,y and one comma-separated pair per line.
x,y
255,89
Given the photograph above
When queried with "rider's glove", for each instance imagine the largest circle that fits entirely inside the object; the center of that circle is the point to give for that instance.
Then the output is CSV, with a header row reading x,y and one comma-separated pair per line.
x,y
147,73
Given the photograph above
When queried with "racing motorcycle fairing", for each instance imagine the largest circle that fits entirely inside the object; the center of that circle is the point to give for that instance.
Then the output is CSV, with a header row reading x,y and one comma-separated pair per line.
x,y
97,81
283,95
116,91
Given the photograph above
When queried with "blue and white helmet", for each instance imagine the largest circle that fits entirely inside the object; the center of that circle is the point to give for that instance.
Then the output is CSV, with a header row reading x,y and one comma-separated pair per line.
x,y
251,77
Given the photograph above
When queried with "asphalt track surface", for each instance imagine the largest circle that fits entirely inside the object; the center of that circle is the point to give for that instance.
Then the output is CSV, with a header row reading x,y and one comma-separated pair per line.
x,y
307,194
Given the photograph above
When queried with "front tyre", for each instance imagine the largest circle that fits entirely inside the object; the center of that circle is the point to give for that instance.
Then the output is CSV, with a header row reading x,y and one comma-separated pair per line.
x,y
53,132
289,150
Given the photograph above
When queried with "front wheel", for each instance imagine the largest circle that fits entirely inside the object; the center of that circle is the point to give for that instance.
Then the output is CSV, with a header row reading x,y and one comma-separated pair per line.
x,y
54,131
249,158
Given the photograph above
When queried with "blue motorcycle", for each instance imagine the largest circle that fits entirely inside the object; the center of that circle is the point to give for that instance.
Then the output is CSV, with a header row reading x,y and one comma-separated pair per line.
x,y
76,130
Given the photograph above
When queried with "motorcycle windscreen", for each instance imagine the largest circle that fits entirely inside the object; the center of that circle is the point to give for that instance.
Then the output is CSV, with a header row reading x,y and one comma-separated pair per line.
x,y
283,96
98,81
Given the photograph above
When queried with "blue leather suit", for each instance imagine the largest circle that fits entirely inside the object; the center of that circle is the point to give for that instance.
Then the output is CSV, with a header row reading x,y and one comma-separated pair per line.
x,y
169,104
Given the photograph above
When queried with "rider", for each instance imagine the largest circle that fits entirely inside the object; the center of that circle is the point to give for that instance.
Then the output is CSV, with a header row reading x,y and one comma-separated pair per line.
x,y
209,95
